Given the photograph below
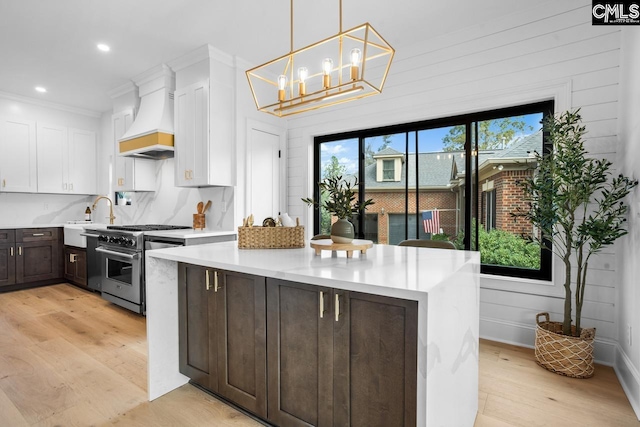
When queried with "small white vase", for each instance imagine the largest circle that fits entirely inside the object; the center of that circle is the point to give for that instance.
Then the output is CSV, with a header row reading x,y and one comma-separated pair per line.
x,y
287,221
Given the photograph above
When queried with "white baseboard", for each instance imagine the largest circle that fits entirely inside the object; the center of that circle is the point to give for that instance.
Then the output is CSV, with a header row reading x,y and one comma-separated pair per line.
x,y
629,378
523,335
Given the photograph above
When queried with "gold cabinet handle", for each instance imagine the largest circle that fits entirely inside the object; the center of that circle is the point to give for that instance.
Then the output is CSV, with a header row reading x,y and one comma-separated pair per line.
x,y
186,174
72,257
337,308
37,234
321,304
216,286
11,251
19,250
206,279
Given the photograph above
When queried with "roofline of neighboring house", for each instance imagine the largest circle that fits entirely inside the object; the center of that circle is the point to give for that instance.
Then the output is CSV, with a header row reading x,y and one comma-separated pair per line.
x,y
519,162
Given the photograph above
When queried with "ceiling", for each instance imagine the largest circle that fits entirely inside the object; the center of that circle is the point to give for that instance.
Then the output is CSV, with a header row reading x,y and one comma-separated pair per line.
x,y
53,43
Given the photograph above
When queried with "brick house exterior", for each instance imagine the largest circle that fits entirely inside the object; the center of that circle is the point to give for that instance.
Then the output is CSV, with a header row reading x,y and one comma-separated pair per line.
x,y
440,179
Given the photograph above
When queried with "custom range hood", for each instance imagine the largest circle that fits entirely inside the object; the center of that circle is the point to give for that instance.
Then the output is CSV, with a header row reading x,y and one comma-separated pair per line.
x,y
151,134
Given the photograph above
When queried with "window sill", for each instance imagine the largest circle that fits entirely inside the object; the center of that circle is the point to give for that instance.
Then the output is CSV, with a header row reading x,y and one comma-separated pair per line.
x,y
520,285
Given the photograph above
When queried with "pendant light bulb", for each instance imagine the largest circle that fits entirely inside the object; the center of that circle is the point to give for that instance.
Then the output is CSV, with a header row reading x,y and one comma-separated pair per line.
x,y
327,68
303,73
282,84
356,57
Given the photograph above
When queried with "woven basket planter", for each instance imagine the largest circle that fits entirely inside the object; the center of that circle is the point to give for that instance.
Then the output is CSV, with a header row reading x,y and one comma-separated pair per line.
x,y
562,354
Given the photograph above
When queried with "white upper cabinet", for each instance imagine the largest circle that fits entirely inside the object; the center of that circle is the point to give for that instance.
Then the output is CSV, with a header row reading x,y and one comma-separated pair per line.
x,y
204,125
130,174
82,161
192,135
18,157
66,160
52,159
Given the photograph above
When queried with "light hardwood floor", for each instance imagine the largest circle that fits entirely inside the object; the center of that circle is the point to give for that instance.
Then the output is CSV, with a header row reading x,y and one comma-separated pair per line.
x,y
69,358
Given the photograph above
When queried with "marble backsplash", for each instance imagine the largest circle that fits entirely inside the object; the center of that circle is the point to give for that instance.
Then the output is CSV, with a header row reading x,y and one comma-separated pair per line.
x,y
167,205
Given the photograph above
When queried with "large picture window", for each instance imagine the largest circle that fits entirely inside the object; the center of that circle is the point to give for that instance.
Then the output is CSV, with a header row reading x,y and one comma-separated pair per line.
x,y
453,179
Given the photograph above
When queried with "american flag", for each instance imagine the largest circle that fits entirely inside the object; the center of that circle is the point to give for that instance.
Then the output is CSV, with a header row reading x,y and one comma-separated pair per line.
x,y
431,221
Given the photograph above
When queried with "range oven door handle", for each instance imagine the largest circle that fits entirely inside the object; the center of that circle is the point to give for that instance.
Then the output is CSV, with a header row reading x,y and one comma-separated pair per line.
x,y
116,254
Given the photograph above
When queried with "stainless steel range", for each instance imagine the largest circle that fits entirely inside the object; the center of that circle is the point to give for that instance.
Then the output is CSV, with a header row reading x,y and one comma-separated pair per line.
x,y
121,250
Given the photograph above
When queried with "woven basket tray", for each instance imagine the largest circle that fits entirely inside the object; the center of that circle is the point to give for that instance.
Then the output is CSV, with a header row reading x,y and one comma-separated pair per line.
x,y
270,237
562,354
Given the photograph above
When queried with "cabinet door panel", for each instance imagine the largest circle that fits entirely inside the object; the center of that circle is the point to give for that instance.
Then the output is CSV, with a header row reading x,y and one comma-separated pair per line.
x,y
123,166
241,309
197,323
7,264
181,137
200,149
81,268
53,156
299,349
375,361
19,158
82,162
69,265
37,261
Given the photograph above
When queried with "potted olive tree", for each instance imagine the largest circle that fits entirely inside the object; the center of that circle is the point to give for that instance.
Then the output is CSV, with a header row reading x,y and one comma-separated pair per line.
x,y
338,197
577,205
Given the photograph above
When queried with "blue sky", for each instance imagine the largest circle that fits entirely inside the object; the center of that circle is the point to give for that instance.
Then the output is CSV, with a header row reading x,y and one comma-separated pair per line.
x,y
430,141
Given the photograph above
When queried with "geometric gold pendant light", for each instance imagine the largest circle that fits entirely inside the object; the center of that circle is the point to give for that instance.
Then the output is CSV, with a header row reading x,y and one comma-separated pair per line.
x,y
350,65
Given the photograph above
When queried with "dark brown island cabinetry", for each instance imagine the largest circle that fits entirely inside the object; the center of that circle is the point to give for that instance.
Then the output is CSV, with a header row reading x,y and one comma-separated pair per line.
x,y
333,357
223,334
29,256
75,265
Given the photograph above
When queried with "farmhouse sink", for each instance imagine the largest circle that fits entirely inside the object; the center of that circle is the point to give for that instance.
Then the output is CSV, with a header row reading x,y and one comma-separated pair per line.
x,y
73,234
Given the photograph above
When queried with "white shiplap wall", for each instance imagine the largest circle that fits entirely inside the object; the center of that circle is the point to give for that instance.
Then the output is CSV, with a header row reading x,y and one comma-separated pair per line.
x,y
550,51
627,363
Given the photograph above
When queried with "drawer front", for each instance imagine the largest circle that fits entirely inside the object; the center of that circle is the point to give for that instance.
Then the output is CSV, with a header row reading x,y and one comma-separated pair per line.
x,y
37,234
7,236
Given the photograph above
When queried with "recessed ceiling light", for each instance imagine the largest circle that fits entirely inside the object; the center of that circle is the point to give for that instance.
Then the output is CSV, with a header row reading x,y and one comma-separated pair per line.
x,y
40,89
103,47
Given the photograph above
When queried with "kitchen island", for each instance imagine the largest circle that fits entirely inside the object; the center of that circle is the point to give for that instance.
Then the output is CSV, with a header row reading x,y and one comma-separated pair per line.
x,y
444,285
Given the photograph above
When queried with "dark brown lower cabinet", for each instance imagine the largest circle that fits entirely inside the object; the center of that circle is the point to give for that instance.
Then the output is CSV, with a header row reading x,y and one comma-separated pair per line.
x,y
300,354
375,360
197,322
75,265
223,334
29,256
340,358
7,264
327,357
38,255
242,340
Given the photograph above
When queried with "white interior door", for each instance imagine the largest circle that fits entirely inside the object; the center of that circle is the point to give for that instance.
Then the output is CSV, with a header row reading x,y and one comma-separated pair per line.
x,y
265,171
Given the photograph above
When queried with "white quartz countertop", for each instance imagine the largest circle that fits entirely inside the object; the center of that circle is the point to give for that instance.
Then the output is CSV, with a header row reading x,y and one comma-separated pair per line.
x,y
403,272
189,233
